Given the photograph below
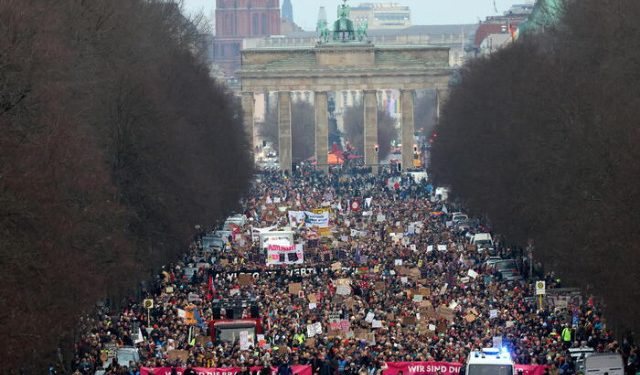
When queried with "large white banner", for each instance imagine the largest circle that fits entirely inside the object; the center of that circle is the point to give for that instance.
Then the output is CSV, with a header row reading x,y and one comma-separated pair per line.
x,y
316,220
284,254
296,218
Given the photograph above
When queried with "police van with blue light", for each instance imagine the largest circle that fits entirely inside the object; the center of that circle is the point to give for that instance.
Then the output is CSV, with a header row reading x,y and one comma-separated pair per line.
x,y
490,361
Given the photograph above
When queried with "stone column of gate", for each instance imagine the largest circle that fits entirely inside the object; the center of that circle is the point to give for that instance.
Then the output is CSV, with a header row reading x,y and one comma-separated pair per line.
x,y
407,98
322,130
248,105
371,129
284,130
441,97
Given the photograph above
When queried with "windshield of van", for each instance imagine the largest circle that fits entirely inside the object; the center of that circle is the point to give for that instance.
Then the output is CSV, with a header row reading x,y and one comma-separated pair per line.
x,y
490,370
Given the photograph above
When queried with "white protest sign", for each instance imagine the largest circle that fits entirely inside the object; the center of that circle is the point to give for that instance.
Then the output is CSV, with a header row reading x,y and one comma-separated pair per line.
x,y
343,290
473,274
369,317
442,247
376,324
493,314
316,219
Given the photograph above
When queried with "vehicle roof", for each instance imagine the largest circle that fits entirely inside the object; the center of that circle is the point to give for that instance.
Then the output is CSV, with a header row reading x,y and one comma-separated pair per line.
x,y
482,358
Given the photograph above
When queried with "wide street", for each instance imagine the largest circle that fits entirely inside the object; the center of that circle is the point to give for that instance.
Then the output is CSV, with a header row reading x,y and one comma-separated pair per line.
x,y
391,277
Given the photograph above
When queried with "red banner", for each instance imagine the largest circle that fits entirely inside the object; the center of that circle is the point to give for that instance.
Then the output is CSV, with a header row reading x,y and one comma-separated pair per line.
x,y
297,370
446,368
422,368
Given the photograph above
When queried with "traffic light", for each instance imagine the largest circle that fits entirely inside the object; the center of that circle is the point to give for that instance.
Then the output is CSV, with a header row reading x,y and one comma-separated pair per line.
x,y
375,147
415,149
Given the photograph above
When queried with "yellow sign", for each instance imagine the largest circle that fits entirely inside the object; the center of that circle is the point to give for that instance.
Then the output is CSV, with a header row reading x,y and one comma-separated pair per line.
x,y
148,303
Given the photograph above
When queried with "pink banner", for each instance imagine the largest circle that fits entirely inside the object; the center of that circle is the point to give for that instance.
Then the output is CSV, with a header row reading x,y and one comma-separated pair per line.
x,y
297,370
422,368
446,368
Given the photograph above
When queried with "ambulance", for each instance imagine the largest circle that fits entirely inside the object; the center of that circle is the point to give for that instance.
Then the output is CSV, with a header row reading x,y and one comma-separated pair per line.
x,y
490,361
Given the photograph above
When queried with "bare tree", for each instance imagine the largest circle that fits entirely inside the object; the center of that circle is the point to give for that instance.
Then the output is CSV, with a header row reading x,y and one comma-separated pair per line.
x,y
541,136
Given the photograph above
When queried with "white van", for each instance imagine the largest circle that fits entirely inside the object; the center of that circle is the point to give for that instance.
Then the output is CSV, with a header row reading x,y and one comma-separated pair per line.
x,y
604,364
482,241
239,220
489,361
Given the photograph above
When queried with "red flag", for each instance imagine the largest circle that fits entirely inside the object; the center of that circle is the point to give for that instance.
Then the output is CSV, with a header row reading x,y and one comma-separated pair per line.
x,y
210,289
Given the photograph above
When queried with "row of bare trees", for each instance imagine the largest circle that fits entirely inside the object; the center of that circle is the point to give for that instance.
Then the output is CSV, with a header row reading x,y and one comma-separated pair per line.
x,y
543,136
114,143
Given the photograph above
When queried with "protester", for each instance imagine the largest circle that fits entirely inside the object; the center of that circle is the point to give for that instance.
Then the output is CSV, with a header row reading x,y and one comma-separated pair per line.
x,y
394,281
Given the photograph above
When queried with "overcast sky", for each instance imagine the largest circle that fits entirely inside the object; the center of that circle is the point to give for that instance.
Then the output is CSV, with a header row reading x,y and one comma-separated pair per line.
x,y
424,12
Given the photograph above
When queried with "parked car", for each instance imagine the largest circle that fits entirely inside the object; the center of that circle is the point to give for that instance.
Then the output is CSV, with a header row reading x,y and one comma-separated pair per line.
x,y
482,241
510,275
506,265
457,217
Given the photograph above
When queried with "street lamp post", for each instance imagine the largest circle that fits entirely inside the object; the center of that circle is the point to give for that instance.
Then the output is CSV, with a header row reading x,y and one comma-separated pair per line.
x,y
530,251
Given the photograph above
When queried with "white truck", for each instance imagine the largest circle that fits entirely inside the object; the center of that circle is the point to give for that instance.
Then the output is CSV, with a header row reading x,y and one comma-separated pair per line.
x,y
604,364
489,361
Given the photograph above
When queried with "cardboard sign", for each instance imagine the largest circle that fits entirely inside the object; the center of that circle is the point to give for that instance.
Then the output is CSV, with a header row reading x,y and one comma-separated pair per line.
x,y
425,292
362,334
445,313
470,318
310,342
350,303
343,282
182,355
295,288
337,266
313,298
203,340
414,273
380,285
409,321
245,280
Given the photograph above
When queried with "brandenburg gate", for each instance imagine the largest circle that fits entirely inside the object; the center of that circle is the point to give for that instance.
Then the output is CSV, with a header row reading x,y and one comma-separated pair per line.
x,y
346,62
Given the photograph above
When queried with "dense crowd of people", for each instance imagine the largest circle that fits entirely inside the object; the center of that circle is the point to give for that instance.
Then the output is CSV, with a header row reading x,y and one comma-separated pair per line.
x,y
395,281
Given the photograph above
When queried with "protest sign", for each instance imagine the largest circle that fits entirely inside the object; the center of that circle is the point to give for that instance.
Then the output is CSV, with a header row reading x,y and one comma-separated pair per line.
x,y
445,313
245,279
294,288
284,254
